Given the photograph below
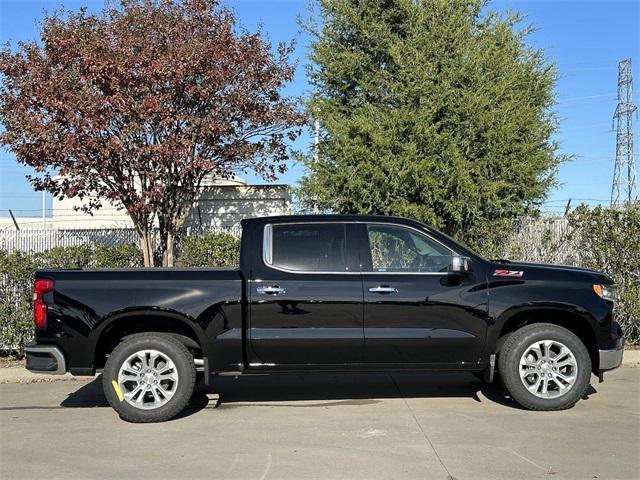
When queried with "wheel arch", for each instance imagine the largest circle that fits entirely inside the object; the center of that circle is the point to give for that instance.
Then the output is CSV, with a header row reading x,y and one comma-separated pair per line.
x,y
576,321
119,326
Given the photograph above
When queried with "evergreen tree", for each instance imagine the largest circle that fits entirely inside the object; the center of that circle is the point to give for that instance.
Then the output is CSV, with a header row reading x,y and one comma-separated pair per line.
x,y
437,110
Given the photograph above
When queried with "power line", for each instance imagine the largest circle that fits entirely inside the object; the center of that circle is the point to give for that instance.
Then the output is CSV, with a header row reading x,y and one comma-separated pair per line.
x,y
564,200
587,97
580,127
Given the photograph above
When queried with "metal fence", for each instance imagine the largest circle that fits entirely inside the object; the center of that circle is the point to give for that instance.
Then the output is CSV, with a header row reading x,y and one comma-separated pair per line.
x,y
533,239
40,240
544,240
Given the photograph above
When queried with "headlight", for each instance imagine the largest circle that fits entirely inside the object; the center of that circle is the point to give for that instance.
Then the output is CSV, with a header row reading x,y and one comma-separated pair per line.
x,y
606,292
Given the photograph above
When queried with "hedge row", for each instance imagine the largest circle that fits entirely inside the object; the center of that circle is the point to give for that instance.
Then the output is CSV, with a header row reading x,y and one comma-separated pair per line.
x,y
17,270
609,240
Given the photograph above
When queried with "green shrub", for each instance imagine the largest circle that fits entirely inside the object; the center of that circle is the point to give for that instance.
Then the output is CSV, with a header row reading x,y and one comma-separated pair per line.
x,y
602,239
16,282
120,256
210,250
16,296
65,257
609,241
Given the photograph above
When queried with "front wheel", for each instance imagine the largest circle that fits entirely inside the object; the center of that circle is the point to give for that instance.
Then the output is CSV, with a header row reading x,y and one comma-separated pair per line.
x,y
545,367
149,377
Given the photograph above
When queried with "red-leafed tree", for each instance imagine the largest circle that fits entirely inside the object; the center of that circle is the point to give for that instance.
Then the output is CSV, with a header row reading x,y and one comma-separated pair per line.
x,y
137,104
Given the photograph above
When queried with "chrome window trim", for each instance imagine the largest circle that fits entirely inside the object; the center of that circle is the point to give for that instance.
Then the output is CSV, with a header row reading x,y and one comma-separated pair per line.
x,y
267,249
266,244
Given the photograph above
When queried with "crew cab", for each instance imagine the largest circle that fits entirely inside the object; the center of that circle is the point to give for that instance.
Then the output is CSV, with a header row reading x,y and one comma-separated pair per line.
x,y
321,293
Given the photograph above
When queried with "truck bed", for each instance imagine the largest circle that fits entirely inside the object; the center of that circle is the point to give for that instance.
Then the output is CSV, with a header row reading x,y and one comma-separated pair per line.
x,y
85,303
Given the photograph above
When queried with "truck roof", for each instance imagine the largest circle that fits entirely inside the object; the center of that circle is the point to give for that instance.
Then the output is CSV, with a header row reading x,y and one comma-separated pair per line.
x,y
331,217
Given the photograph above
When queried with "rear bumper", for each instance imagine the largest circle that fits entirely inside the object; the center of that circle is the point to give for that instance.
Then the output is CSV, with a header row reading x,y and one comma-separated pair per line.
x,y
45,359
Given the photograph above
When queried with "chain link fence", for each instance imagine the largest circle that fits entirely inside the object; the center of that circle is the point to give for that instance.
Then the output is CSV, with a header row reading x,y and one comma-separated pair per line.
x,y
34,241
543,240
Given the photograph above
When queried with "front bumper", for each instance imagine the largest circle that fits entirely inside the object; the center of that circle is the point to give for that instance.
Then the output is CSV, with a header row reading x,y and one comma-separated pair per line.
x,y
45,359
610,359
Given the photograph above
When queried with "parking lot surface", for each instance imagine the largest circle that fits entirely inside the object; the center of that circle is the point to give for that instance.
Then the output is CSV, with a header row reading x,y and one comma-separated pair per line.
x,y
364,426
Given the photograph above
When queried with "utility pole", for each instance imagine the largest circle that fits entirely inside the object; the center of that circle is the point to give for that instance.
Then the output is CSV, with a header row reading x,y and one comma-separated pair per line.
x,y
44,206
624,189
14,220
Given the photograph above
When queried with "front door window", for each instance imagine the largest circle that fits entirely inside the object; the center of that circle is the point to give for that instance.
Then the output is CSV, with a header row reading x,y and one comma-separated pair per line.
x,y
399,249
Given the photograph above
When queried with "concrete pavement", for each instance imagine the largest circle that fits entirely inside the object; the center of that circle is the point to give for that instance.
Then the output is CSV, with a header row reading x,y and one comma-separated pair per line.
x,y
426,426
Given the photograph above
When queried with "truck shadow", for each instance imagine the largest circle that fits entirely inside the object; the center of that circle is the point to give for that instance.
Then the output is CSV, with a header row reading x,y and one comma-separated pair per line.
x,y
322,390
91,395
351,388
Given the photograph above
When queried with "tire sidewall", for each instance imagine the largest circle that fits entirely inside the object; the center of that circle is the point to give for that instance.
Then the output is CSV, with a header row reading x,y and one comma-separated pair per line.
x,y
510,367
170,347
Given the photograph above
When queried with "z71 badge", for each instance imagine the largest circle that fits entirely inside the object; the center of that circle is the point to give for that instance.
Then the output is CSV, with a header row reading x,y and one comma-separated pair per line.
x,y
508,273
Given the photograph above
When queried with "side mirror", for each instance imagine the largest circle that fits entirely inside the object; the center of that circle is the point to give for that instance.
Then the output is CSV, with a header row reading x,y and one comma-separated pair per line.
x,y
459,264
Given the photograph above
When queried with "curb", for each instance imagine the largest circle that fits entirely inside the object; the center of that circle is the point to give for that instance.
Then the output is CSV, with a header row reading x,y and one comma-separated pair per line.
x,y
631,358
19,374
22,375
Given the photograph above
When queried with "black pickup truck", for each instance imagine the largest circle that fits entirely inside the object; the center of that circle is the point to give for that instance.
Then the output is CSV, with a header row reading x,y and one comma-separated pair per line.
x,y
328,293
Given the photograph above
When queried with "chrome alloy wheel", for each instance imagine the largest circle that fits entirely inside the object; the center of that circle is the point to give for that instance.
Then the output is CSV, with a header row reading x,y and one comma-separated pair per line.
x,y
548,369
148,379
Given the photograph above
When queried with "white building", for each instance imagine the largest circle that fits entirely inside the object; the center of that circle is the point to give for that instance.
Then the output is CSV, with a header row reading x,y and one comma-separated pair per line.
x,y
221,204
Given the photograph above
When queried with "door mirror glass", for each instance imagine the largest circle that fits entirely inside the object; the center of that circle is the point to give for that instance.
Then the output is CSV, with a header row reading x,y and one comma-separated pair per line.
x,y
459,264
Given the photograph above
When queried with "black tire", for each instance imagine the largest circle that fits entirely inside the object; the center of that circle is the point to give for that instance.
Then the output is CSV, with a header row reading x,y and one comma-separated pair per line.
x,y
169,347
509,366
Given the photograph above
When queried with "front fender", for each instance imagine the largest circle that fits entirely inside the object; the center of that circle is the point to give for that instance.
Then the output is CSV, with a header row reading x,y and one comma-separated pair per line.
x,y
539,311
571,304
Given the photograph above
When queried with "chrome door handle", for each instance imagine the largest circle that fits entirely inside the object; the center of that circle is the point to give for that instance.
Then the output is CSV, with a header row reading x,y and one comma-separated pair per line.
x,y
271,290
383,289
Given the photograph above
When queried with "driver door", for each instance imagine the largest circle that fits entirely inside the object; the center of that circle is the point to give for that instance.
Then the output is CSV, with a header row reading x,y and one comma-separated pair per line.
x,y
415,310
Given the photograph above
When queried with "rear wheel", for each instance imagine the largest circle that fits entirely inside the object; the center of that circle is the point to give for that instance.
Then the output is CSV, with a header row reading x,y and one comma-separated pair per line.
x,y
149,378
545,367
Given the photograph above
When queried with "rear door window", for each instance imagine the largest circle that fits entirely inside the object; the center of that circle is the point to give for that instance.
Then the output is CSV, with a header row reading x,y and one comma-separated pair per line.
x,y
309,247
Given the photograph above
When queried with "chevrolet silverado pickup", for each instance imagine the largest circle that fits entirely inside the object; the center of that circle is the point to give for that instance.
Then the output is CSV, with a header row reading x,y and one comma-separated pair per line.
x,y
328,293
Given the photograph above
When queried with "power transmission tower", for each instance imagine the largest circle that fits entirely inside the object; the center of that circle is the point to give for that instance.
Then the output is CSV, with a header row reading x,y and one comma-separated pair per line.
x,y
623,189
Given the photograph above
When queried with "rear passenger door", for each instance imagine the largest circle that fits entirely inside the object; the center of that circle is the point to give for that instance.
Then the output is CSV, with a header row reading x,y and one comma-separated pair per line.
x,y
306,296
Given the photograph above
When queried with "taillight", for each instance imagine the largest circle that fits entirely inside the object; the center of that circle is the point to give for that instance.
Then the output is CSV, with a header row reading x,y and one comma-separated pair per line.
x,y
40,287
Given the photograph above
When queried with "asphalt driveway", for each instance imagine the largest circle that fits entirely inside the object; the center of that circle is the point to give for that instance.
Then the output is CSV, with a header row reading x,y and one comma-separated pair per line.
x,y
426,426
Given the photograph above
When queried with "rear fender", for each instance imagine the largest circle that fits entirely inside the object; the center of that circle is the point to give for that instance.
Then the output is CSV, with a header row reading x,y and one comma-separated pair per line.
x,y
124,317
